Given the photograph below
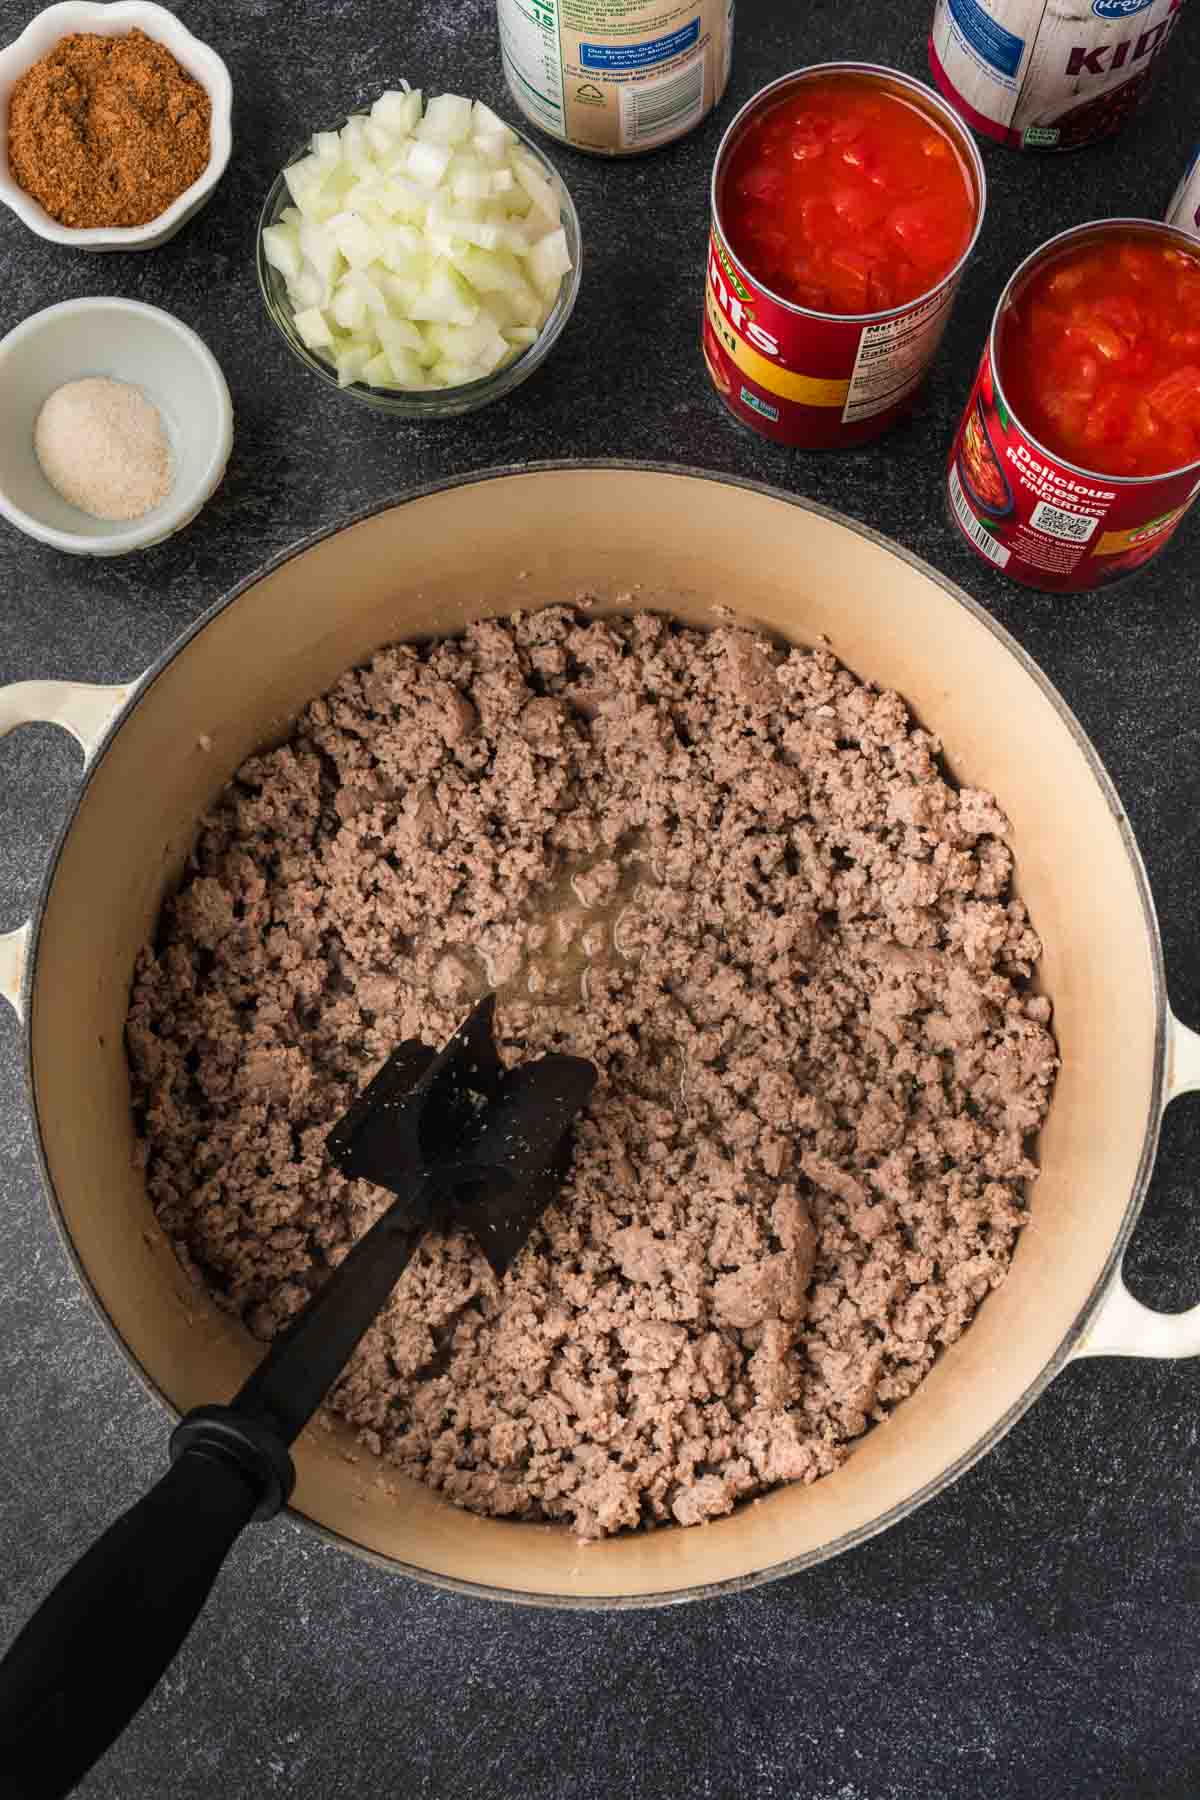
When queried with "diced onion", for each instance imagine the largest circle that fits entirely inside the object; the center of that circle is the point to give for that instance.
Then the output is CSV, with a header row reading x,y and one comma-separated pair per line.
x,y
425,246
447,120
313,329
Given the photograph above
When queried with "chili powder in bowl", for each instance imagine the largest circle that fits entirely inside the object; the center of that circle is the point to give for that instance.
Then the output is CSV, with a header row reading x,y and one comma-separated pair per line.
x,y
80,163
846,200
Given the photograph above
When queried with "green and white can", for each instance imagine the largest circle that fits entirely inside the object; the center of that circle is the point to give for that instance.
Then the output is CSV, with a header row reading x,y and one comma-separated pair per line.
x,y
616,77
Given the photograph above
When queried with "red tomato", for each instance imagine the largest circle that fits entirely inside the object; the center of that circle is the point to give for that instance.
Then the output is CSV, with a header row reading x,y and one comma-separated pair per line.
x,y
1146,431
1109,421
860,153
1122,312
927,235
1088,328
849,278
859,208
870,192
1099,357
1137,260
808,138
764,183
819,220
1187,292
1176,398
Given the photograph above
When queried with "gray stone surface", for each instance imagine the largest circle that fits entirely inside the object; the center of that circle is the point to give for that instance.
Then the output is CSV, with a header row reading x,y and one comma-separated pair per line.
x,y
1034,1631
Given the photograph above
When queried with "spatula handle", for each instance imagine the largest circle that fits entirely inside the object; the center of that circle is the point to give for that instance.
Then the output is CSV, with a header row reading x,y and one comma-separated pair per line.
x,y
97,1645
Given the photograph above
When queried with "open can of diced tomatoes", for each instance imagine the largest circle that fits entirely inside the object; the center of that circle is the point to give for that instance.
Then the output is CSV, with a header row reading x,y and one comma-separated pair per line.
x,y
846,199
1079,450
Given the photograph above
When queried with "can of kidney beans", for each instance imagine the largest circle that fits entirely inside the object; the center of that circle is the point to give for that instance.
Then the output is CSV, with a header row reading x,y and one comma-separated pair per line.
x,y
807,377
1050,523
1184,209
1048,74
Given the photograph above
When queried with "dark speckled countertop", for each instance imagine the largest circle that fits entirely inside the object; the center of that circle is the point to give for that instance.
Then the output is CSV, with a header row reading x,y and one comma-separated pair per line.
x,y
1035,1631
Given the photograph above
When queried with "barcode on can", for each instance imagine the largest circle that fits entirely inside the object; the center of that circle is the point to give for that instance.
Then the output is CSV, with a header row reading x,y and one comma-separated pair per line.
x,y
979,535
664,107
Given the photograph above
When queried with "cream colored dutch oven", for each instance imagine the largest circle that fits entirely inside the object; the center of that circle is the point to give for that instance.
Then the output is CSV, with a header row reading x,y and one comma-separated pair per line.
x,y
159,750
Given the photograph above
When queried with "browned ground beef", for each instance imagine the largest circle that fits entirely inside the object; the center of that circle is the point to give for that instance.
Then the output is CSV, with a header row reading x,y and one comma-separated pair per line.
x,y
820,1058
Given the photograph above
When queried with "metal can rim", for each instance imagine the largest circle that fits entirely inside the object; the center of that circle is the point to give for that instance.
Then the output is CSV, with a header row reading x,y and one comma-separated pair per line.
x,y
1102,227
946,113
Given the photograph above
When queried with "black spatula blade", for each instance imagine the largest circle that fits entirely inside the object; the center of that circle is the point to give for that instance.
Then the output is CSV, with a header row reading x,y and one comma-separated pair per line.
x,y
418,1111
521,1149
494,1145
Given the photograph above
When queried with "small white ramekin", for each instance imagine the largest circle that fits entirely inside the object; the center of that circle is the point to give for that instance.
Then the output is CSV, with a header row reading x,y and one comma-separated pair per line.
x,y
112,20
126,341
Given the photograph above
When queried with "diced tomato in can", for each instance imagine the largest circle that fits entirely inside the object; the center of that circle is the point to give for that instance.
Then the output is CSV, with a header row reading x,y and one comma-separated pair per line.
x,y
1048,77
1046,520
836,363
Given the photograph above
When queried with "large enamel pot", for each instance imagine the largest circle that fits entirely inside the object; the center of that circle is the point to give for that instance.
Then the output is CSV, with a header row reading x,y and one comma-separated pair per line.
x,y
159,750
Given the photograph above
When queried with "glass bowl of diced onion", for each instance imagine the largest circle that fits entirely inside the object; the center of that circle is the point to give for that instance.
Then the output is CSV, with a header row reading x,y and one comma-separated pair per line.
x,y
423,258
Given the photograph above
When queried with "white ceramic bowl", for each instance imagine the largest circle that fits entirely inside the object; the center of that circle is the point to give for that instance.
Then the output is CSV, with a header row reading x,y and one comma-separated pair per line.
x,y
41,35
129,342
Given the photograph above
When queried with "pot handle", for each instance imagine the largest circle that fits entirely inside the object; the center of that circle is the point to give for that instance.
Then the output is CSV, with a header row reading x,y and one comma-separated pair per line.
x,y
1121,1325
86,711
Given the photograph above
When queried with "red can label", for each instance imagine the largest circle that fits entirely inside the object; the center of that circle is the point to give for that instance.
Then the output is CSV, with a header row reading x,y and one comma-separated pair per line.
x,y
805,378
1048,74
1040,520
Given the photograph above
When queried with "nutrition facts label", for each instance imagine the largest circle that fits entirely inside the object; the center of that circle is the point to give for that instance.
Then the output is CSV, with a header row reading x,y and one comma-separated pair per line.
x,y
616,75
529,44
893,356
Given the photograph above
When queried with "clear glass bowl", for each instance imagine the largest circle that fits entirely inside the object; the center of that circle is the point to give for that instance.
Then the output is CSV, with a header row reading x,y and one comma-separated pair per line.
x,y
433,403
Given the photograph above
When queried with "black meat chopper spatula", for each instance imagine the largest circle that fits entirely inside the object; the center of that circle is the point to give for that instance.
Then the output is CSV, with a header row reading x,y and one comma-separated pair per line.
x,y
463,1144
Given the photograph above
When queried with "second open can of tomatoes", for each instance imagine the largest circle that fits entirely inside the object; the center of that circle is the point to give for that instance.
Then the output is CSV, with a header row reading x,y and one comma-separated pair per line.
x,y
1047,522
821,380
